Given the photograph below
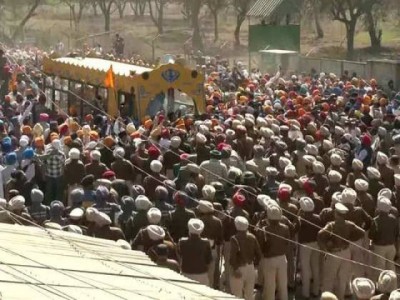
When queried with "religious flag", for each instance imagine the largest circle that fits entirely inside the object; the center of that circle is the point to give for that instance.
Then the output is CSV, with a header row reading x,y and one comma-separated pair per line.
x,y
109,80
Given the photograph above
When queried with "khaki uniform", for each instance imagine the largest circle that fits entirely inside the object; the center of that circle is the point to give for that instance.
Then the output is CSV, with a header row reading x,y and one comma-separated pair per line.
x,y
338,271
213,232
195,255
245,252
359,217
291,253
229,230
177,221
383,234
274,263
367,203
309,258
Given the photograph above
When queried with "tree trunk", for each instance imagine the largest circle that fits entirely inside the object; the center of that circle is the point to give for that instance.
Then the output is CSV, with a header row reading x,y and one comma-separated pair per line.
x,y
94,6
25,20
107,21
216,36
239,22
121,9
318,27
350,33
197,41
142,7
374,35
160,22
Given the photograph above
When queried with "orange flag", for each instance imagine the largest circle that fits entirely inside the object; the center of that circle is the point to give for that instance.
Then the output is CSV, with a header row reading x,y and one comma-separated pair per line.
x,y
109,80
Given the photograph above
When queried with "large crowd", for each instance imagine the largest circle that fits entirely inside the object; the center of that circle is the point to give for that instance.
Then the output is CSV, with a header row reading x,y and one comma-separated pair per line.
x,y
286,184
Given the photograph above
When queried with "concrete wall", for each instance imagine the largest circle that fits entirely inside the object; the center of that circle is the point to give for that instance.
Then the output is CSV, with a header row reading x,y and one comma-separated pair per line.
x,y
381,70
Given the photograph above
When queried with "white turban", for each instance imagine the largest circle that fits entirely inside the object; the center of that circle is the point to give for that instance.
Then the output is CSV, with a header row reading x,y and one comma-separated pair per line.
x,y
156,166
397,179
101,219
387,281
274,212
357,164
154,215
195,226
201,138
17,202
334,176
384,205
205,206
318,167
142,203
349,196
74,153
382,158
364,288
361,185
312,150
119,152
326,144
95,155
373,173
284,162
155,232
241,223
175,141
307,204
290,171
208,192
336,160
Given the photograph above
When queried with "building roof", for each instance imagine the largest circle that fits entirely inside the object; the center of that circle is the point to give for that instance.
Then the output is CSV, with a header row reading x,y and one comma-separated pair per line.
x,y
266,9
104,65
48,264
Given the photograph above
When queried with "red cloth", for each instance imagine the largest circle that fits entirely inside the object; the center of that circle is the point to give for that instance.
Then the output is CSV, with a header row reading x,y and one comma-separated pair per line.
x,y
284,194
239,199
108,174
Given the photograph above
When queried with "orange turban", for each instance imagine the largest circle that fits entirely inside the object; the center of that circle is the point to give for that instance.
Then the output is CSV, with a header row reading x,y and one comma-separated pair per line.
x,y
79,133
94,136
26,130
108,141
74,126
67,140
148,124
39,142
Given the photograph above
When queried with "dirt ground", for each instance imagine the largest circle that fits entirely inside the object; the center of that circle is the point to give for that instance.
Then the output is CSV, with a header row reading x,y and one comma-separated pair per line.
x,y
52,23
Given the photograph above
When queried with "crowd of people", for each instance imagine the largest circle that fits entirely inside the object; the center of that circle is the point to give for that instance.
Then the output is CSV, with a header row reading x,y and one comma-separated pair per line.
x,y
285,184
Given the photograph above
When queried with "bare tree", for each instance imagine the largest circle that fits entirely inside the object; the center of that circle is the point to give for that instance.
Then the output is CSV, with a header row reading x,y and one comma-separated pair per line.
x,y
121,5
156,8
138,7
105,7
241,7
197,41
32,5
215,7
348,12
76,8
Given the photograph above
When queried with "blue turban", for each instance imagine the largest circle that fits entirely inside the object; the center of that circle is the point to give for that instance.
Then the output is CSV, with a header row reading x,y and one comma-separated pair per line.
x,y
28,153
11,158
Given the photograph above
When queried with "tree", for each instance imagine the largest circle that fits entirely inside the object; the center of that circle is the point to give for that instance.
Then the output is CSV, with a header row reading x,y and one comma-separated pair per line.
x,y
138,7
315,9
156,8
76,8
121,5
373,17
348,12
25,8
105,7
197,41
241,7
215,6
